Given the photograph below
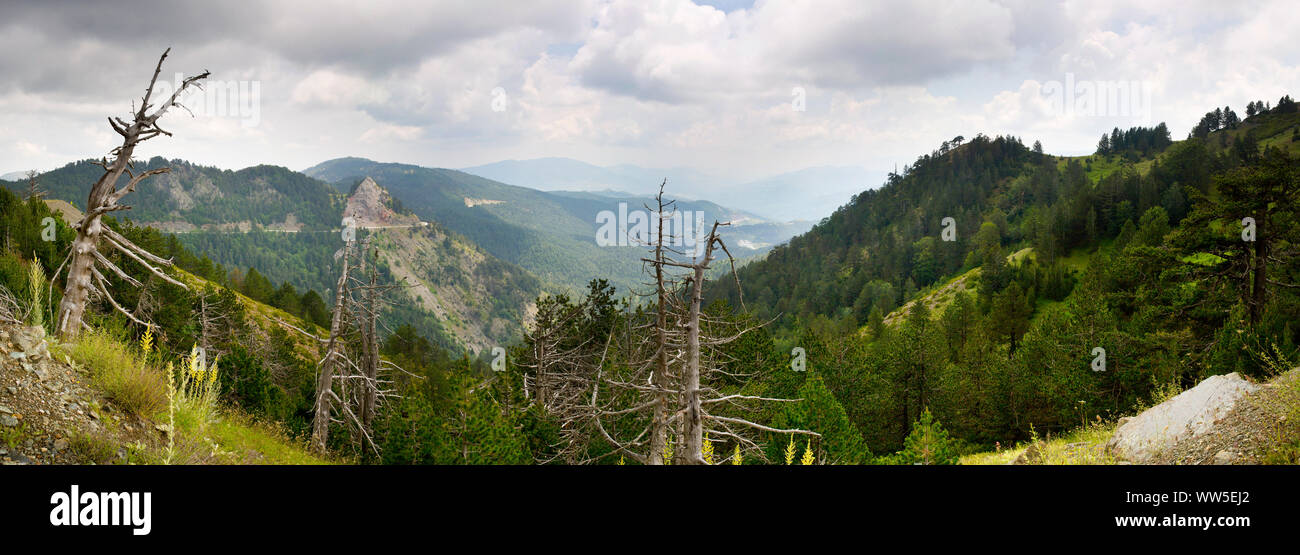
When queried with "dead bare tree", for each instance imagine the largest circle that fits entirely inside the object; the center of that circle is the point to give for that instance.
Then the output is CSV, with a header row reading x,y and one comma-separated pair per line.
x,y
667,380
562,373
352,364
333,360
369,349
34,190
659,422
214,318
367,301
83,273
10,310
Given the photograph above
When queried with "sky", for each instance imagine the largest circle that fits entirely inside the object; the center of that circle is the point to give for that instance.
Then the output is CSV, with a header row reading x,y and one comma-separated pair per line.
x,y
736,88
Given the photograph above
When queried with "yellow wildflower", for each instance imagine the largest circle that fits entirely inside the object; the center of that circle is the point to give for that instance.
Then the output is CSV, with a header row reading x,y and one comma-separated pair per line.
x,y
146,341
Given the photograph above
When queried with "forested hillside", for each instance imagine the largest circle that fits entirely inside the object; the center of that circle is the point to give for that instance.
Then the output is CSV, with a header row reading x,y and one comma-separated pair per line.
x,y
273,233
191,196
552,235
1139,250
256,383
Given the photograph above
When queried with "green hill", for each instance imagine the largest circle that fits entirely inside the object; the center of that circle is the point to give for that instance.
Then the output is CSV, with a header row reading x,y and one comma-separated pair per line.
x,y
1137,251
287,226
550,234
193,197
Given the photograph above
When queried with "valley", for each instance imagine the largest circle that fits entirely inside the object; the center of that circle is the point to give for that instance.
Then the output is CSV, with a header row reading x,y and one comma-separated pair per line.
x,y
989,271
534,241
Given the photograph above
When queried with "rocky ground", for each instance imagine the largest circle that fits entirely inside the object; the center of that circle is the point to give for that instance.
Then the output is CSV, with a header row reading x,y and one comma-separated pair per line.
x,y
1249,431
1223,420
48,415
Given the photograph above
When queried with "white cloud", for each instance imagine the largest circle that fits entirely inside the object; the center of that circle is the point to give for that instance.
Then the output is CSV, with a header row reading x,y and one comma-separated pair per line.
x,y
652,82
386,132
328,88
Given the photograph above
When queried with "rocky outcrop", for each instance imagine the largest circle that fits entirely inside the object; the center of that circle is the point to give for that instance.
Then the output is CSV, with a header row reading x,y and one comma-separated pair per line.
x,y
1189,415
47,412
369,206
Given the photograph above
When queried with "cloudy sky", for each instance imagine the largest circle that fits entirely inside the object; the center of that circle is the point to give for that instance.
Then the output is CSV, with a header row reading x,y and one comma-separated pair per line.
x,y
715,85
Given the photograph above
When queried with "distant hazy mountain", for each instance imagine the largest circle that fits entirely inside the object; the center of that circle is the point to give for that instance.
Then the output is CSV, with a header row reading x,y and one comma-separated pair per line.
x,y
552,174
806,194
15,176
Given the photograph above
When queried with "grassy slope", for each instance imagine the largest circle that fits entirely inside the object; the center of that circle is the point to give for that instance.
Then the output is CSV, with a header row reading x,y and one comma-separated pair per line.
x,y
939,296
219,435
1083,445
135,387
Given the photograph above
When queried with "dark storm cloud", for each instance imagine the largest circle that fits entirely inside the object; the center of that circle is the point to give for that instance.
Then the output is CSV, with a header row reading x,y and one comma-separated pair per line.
x,y
72,48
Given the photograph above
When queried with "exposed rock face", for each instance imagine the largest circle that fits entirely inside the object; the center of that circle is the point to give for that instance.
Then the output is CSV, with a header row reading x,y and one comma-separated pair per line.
x,y
369,204
1188,415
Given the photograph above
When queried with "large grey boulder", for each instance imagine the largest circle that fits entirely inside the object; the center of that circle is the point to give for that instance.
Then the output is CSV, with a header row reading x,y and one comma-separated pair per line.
x,y
1187,415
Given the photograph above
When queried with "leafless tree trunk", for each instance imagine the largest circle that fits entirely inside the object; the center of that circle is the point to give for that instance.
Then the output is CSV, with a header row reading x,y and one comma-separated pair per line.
x,y
83,276
370,352
34,190
333,359
693,423
356,404
659,422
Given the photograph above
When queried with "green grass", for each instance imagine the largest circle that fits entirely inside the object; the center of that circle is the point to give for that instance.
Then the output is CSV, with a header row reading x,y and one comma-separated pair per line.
x,y
92,449
1019,256
202,430
120,372
1077,260
1285,448
1097,167
244,441
12,437
1085,445
1269,129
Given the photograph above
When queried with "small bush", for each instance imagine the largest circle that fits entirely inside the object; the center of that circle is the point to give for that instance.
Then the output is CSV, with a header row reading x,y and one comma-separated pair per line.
x,y
92,448
120,372
13,437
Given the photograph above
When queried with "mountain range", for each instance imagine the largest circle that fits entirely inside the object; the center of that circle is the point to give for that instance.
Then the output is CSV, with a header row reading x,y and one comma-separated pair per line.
x,y
474,251
806,194
551,234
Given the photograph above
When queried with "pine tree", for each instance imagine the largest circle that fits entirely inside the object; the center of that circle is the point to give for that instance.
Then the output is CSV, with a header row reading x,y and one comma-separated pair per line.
x,y
928,443
820,411
257,287
1267,192
1009,317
